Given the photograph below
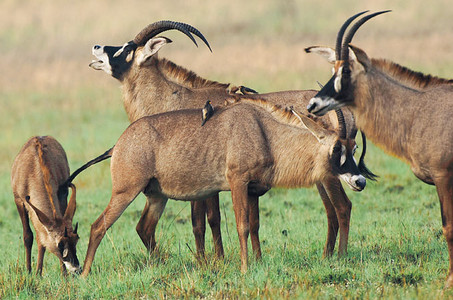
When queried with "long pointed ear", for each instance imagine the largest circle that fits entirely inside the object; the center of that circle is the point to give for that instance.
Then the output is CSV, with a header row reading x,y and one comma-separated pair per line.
x,y
361,56
326,52
151,47
318,131
41,216
70,210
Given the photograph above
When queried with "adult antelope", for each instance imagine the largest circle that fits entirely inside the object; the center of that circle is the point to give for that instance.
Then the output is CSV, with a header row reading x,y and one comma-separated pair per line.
x,y
152,85
404,112
37,173
246,148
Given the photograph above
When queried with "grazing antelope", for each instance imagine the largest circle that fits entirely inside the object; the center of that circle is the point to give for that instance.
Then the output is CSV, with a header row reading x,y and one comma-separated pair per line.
x,y
37,173
247,148
404,112
152,85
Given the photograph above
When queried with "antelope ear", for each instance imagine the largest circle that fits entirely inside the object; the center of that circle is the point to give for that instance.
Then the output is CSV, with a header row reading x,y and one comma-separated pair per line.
x,y
318,131
151,47
70,210
41,216
360,56
326,52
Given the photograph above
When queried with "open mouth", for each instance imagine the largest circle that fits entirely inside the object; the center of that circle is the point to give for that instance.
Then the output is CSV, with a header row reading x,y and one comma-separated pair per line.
x,y
96,64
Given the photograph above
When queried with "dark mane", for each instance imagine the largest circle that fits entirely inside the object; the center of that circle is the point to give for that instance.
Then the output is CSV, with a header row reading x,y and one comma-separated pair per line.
x,y
185,77
407,76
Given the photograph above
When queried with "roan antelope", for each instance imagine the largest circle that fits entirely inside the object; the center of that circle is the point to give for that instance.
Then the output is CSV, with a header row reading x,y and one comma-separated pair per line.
x,y
247,148
152,85
37,173
404,112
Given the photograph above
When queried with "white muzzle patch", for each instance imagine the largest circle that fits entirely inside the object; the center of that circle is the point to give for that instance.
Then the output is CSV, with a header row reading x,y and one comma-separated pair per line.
x,y
355,182
102,60
71,268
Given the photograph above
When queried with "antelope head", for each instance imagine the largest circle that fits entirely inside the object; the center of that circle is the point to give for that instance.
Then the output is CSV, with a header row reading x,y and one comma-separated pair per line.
x,y
117,60
348,68
341,150
60,232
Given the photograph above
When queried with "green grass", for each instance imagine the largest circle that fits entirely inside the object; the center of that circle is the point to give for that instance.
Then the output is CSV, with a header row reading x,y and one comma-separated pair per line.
x,y
396,246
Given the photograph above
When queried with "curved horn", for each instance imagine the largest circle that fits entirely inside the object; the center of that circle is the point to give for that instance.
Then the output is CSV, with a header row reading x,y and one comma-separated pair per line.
x,y
353,132
352,31
341,123
157,27
341,33
362,167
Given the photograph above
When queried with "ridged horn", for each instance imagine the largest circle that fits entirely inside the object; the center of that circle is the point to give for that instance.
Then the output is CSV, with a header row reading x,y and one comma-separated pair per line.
x,y
157,27
341,123
340,34
352,31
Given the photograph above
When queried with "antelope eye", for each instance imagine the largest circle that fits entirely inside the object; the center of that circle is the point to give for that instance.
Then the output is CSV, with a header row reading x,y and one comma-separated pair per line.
x,y
354,149
61,246
337,148
65,252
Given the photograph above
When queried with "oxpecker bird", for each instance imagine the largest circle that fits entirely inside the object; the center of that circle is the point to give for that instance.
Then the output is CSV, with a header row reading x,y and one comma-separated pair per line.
x,y
207,112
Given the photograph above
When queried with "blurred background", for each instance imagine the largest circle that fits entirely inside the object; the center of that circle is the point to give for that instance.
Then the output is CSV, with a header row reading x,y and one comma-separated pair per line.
x,y
47,88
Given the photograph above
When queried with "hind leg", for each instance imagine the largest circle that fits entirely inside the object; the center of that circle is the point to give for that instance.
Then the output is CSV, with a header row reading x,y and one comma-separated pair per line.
x,y
146,227
28,234
213,214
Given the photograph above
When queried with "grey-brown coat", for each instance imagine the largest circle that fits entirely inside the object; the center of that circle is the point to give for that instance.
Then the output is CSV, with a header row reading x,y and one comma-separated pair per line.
x,y
247,148
404,112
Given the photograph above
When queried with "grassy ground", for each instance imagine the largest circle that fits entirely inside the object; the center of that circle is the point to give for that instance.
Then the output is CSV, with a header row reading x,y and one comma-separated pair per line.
x,y
396,245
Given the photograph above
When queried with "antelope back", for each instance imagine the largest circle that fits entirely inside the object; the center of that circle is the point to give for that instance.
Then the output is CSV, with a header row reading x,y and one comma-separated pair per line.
x,y
37,173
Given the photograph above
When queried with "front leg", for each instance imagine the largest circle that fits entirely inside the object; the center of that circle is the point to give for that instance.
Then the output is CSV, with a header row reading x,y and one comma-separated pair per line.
x,y
343,207
213,215
198,213
254,221
28,234
444,186
41,252
240,207
332,221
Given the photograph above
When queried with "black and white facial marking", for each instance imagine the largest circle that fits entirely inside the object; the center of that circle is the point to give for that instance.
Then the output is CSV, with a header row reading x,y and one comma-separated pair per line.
x,y
336,93
67,250
114,60
345,166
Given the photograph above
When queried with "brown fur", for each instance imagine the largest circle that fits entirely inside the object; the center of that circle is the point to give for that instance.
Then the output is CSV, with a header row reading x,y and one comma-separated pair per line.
x,y
186,77
408,115
159,85
242,148
38,170
406,76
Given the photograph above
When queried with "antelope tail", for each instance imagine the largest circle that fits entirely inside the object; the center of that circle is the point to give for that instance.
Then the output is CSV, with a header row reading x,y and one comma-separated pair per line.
x,y
104,156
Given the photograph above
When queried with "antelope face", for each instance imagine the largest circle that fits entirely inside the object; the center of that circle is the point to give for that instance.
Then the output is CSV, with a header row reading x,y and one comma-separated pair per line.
x,y
336,93
344,165
114,60
65,248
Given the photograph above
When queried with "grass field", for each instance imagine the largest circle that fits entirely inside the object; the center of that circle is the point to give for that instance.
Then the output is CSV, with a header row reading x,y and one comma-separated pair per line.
x,y
396,247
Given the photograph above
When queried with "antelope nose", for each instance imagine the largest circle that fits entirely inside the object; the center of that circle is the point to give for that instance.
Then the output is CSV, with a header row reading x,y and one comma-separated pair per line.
x,y
311,106
360,182
96,47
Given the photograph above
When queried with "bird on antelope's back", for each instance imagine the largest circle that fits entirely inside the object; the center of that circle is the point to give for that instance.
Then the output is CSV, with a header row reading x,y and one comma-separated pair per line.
x,y
207,112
